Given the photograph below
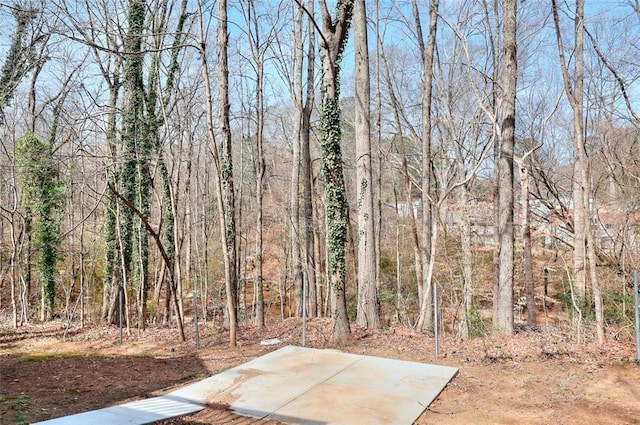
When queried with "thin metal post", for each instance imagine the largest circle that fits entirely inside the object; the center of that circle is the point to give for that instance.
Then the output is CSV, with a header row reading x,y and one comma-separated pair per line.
x,y
637,315
304,309
195,317
435,315
121,307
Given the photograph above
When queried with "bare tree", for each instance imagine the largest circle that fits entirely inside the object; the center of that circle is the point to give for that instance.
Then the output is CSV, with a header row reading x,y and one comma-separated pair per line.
x,y
575,95
294,189
583,231
306,170
409,184
425,321
259,43
110,63
296,64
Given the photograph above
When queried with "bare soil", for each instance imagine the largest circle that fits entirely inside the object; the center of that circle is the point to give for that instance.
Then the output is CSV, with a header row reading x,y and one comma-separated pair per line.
x,y
539,377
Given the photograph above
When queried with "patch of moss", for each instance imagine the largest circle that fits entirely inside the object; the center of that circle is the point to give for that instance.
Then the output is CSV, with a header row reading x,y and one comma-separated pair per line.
x,y
44,356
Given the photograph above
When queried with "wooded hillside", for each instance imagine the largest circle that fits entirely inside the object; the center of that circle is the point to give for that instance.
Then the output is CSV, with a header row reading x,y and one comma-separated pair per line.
x,y
270,159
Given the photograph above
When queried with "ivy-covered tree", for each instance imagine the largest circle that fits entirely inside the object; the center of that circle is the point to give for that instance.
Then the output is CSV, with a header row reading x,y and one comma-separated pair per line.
x,y
20,57
333,40
133,178
43,195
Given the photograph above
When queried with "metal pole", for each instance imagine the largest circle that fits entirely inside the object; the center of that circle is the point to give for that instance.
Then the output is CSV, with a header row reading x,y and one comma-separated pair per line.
x,y
435,315
195,317
121,307
304,309
637,315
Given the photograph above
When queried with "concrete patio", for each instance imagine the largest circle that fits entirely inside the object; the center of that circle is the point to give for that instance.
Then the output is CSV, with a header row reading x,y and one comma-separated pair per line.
x,y
299,386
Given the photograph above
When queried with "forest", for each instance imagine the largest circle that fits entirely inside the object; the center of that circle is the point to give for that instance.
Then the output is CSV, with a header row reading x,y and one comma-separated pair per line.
x,y
377,162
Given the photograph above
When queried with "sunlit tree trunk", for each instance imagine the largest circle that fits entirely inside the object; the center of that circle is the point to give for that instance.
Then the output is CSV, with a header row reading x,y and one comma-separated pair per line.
x,y
503,310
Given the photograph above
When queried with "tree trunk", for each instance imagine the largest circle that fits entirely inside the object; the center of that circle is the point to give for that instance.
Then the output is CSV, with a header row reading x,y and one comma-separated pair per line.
x,y
304,104
306,169
20,58
226,173
579,231
368,308
464,328
260,172
294,188
13,260
578,117
527,256
503,310
425,320
467,267
581,195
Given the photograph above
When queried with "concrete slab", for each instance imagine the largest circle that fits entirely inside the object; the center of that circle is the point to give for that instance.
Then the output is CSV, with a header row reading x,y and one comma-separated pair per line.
x,y
300,386
309,386
302,367
342,404
373,391
397,378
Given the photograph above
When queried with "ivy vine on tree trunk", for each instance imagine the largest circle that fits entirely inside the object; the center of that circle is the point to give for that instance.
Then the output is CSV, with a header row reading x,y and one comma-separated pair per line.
x,y
43,195
334,38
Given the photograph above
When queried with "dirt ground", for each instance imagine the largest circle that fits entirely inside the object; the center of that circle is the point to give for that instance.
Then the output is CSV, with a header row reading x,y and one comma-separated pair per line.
x,y
536,377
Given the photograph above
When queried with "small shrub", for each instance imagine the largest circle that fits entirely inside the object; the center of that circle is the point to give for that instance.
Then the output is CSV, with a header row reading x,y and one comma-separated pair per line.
x,y
477,325
613,303
585,305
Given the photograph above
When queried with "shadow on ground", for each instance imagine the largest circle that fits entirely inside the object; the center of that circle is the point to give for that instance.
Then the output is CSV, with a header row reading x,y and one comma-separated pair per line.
x,y
40,387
